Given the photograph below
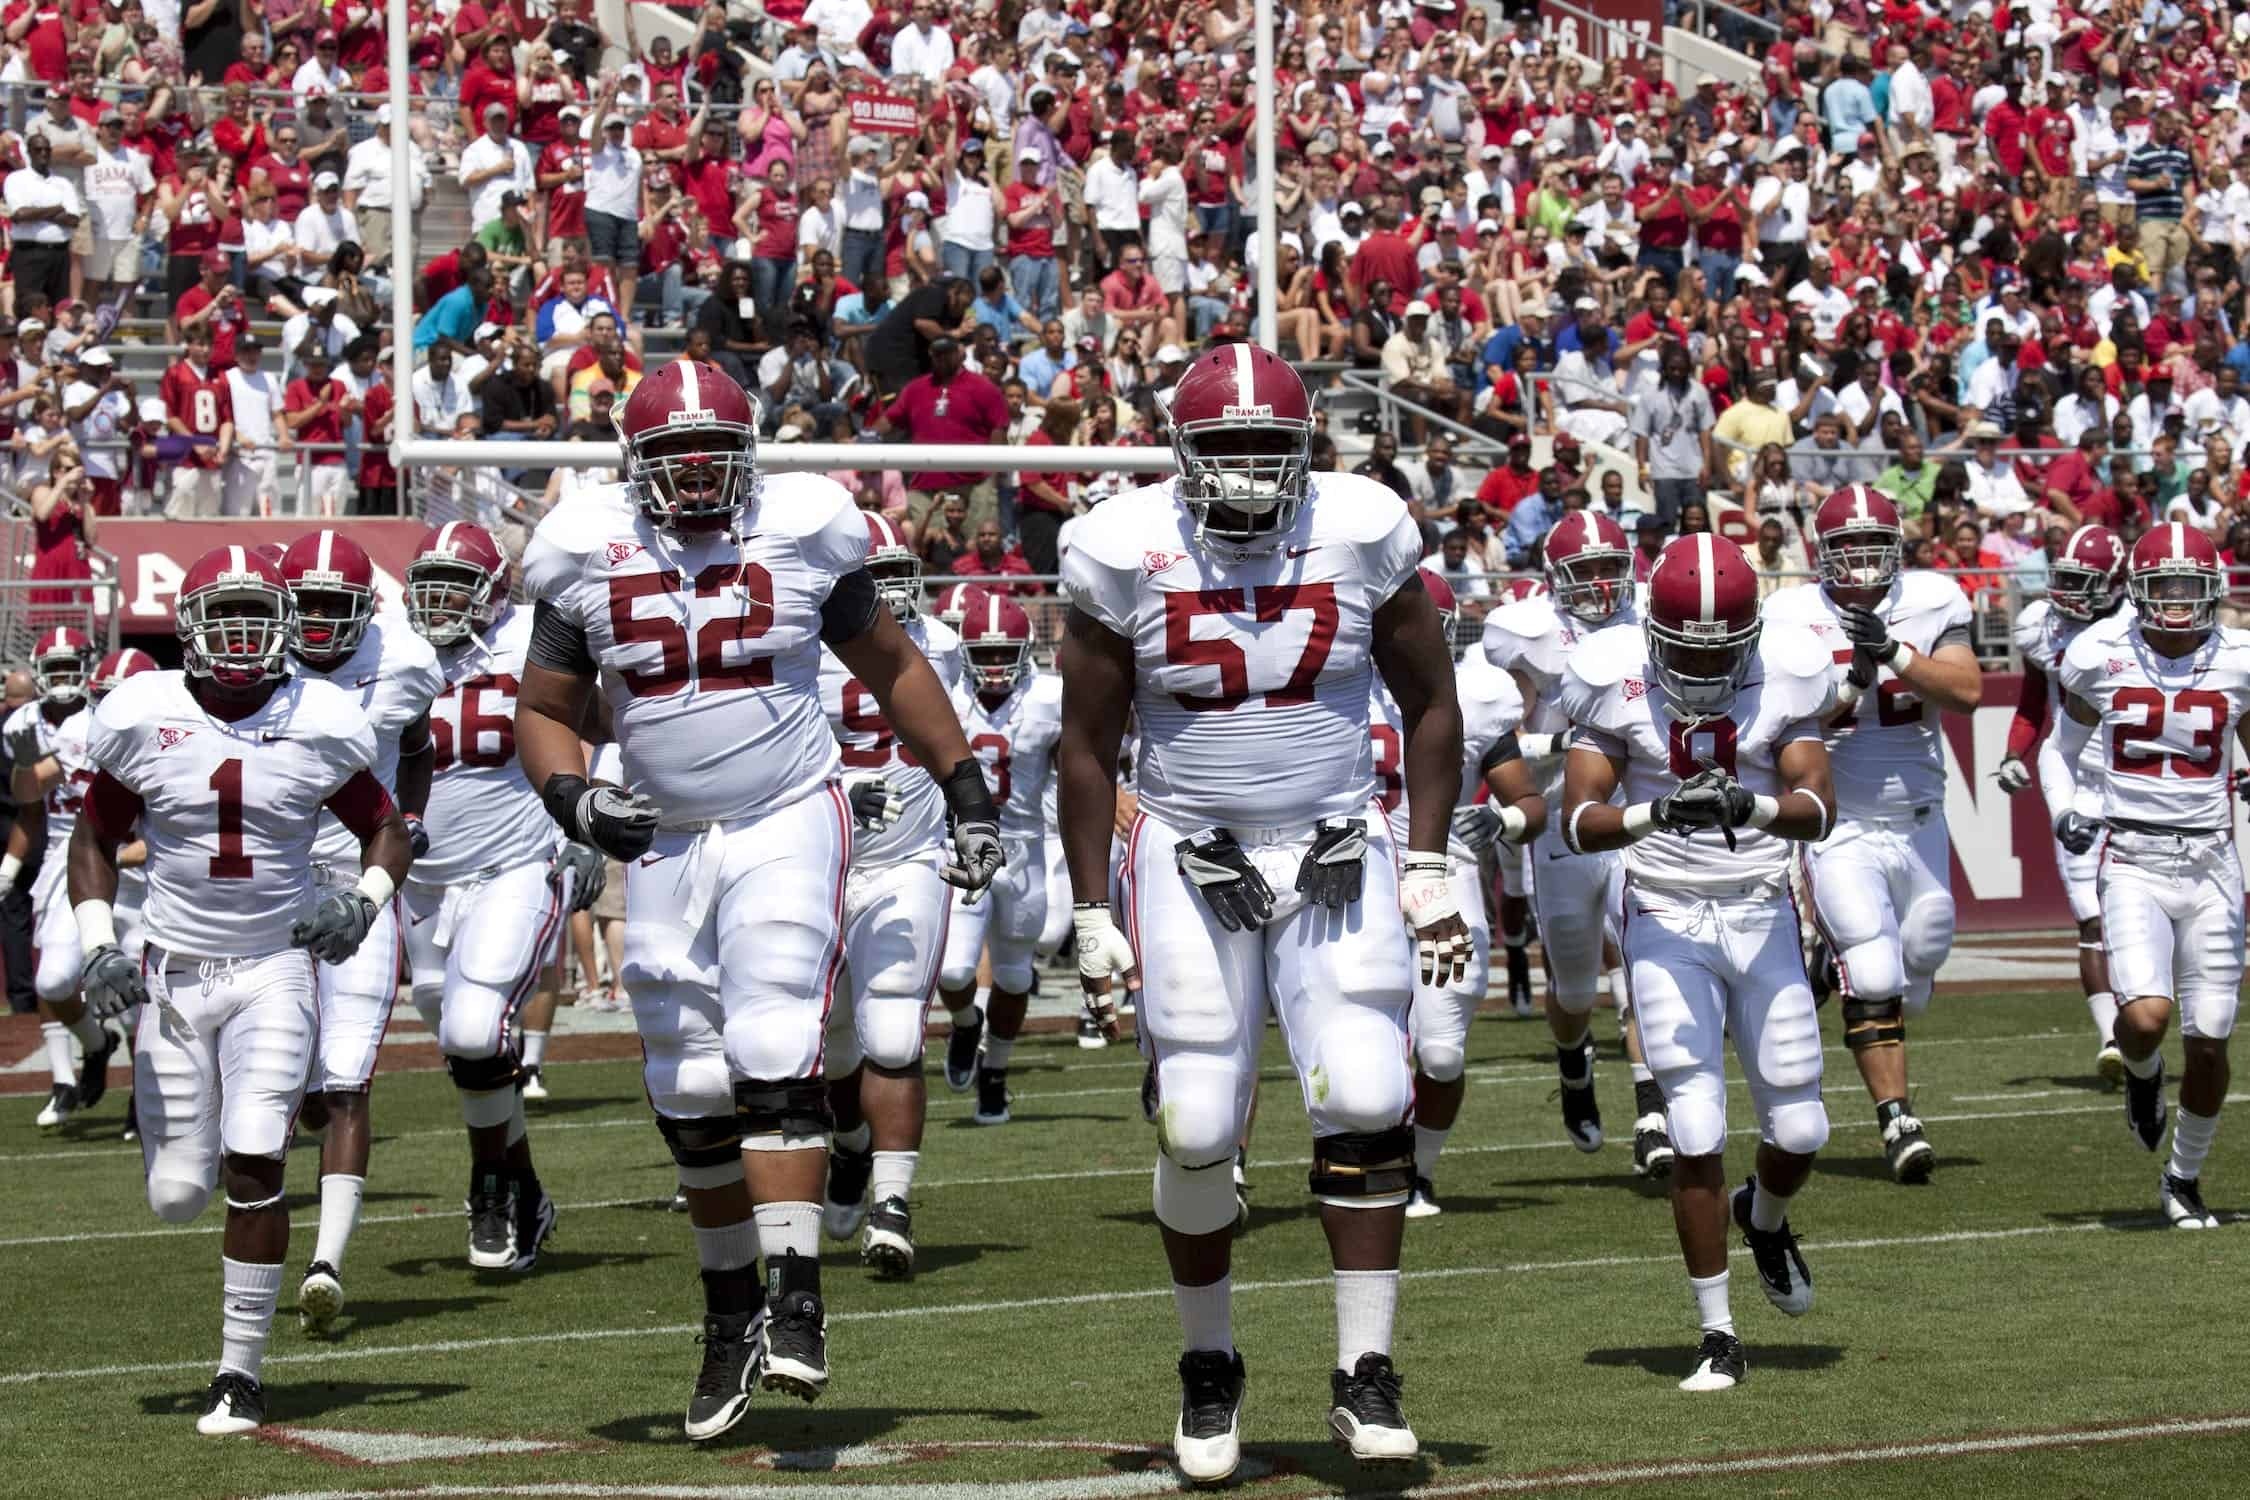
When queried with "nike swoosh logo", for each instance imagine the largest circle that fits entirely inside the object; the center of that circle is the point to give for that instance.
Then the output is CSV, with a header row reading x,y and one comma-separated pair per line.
x,y
1301,551
651,859
1555,854
414,921
364,682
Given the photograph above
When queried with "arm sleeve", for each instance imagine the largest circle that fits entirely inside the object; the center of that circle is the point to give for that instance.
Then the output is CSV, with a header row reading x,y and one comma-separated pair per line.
x,y
559,643
112,807
2030,721
849,610
1504,749
1956,634
360,804
2058,764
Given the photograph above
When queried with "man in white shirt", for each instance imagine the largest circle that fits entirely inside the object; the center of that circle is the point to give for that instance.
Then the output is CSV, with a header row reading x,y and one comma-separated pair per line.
x,y
2151,407
922,49
1781,203
319,320
368,192
859,204
2088,406
1165,196
1818,294
43,209
1994,488
98,403
441,395
971,213
494,163
119,189
839,23
2219,410
1912,105
324,225
1113,193
1627,154
614,204
247,484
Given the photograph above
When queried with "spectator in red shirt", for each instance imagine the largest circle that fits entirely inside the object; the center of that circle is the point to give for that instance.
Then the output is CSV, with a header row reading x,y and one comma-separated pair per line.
x,y
1043,501
214,305
491,79
988,561
1386,255
314,408
1133,301
237,133
1513,480
198,403
949,405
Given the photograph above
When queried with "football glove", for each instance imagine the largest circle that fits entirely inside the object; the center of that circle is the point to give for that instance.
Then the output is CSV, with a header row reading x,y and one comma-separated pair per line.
x,y
977,858
336,928
1103,952
1477,826
586,871
621,824
417,836
2013,775
1334,870
1226,880
1865,629
2077,832
1441,939
876,804
113,982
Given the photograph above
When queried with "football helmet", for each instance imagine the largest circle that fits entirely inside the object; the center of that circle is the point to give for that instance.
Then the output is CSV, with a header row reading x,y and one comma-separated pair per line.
x,y
1448,608
1242,432
996,639
691,446
1702,624
1524,587
1857,540
116,667
2174,578
953,604
233,618
331,583
62,662
456,584
1589,565
896,570
2087,577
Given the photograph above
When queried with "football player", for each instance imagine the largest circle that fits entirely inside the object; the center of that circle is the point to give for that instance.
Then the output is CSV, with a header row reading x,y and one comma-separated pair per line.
x,y
1511,861
132,857
2166,689
950,606
699,593
1713,729
1590,586
486,903
1491,709
228,768
895,909
1012,715
336,636
1881,883
46,743
2085,584
1240,613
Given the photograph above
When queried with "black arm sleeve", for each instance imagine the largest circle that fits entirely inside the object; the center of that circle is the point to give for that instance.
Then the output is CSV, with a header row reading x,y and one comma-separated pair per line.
x,y
1956,635
849,611
1504,749
558,642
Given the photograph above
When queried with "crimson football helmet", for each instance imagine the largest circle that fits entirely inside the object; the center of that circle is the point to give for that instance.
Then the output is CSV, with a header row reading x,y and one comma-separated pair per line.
x,y
1589,565
2087,577
1242,432
691,446
271,551
1448,608
1702,623
456,584
233,618
953,604
62,662
331,583
1857,540
2174,578
996,637
895,567
116,667
1524,587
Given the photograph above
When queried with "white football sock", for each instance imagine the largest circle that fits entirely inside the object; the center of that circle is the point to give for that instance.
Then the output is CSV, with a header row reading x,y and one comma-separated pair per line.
x,y
2144,1067
339,1215
1365,1304
534,1048
2191,1142
247,1313
1641,1074
1427,1144
2103,1008
61,1061
1711,1302
1620,995
1768,1209
788,1228
1206,1315
893,1176
997,1051
88,1031
730,1247
856,1138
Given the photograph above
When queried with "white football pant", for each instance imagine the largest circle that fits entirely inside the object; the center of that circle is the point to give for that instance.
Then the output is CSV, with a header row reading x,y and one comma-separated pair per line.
x,y
2081,879
895,922
1576,899
355,996
1008,918
2172,924
476,949
1882,896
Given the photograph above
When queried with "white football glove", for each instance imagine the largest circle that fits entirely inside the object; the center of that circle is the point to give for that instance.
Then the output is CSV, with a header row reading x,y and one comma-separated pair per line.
x,y
1441,938
875,803
1103,953
2013,775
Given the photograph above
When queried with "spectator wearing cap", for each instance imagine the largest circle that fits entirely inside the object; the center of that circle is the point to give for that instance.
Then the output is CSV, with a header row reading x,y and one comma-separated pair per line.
x,y
969,245
120,191
494,164
617,198
948,405
99,404
1576,132
214,304
859,205
324,225
370,195
254,399
1417,367
1033,214
1781,207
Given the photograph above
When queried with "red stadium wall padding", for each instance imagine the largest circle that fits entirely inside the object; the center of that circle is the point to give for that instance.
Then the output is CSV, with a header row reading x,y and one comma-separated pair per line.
x,y
2004,875
153,555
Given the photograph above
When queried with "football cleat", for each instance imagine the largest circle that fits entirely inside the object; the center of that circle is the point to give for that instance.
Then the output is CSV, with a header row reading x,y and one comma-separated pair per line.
x,y
535,1221
889,1244
992,1096
534,1087
2109,1066
492,1222
1422,1202
1364,1415
731,1348
1090,1038
796,1346
845,1204
1519,979
1782,1273
1652,1148
234,1404
62,1103
1719,1365
961,1052
2146,1110
1127,1007
93,1073
2181,1198
1208,1439
320,1297
1582,1116
679,1204
1909,1152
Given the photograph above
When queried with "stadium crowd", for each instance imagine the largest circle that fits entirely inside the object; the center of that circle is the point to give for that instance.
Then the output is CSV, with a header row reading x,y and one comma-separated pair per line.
x,y
1985,260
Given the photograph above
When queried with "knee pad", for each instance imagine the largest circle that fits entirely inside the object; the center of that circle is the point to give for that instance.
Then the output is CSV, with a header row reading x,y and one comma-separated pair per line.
x,y
958,977
890,1030
429,1004
176,1201
1194,1200
482,1075
1869,1024
1361,1083
1012,972
1363,1168
1695,1113
1797,1124
783,1114
475,1025
1441,1061
708,1151
1925,938
481,1109
1871,968
1199,1113
56,977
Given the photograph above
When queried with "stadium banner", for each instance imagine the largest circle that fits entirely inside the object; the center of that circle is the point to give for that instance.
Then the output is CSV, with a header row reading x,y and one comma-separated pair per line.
x,y
154,554
2004,873
1622,31
883,113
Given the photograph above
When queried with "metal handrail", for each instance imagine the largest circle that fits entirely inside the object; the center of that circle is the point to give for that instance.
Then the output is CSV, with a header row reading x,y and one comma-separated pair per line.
x,y
1653,43
1472,441
1880,452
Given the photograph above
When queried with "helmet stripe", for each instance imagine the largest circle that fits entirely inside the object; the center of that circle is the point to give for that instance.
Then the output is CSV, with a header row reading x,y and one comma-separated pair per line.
x,y
445,537
1707,564
1859,503
2070,547
325,560
1245,380
237,562
2179,541
691,391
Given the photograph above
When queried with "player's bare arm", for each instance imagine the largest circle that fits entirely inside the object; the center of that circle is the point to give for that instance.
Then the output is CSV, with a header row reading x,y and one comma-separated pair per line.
x,y
1806,811
1590,823
553,702
113,981
28,830
1507,776
1096,666
1416,662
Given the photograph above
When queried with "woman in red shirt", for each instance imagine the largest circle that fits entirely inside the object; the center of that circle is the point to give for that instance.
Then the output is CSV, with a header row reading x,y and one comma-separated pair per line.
x,y
543,91
63,527
193,206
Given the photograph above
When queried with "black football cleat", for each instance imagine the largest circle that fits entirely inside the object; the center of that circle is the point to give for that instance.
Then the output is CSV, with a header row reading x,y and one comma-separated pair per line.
x,y
2146,1109
731,1347
1364,1414
1208,1440
1719,1364
796,1346
1782,1274
961,1050
234,1404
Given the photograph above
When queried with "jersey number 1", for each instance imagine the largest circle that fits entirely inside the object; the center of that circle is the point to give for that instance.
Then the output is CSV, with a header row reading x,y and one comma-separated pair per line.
x,y
230,863
1690,745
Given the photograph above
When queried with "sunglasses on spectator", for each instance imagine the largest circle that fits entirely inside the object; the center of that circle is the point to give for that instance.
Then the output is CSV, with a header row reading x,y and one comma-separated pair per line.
x,y
1130,260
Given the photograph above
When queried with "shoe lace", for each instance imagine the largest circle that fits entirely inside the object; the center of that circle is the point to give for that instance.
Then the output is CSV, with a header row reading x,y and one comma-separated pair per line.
x,y
1207,1386
488,1210
232,1385
1373,1391
1716,1345
722,1352
797,1312
1771,1248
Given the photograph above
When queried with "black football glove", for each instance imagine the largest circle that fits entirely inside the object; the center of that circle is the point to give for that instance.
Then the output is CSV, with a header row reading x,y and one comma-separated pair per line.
x,y
1335,867
113,982
875,803
588,871
336,928
417,836
2077,832
1866,630
1226,880
621,824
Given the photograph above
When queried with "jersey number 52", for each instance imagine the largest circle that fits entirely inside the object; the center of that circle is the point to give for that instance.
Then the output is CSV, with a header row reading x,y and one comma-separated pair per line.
x,y
745,614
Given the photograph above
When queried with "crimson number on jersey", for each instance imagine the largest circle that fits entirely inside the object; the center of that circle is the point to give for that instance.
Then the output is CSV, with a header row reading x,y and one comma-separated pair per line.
x,y
862,715
230,863
992,749
745,613
2206,744
1390,766
486,737
1895,703
1688,746
1245,669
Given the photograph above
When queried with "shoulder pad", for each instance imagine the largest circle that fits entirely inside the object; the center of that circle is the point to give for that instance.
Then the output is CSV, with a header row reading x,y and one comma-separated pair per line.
x,y
1119,532
798,504
1354,508
1798,604
2030,630
581,523
1609,656
1791,654
1519,622
935,636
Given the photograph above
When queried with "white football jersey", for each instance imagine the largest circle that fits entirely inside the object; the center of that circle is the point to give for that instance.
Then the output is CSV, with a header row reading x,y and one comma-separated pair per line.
x,y
707,646
1888,754
31,737
1015,741
1535,638
2042,636
229,810
483,814
1610,692
1491,706
2166,737
394,677
1253,671
866,742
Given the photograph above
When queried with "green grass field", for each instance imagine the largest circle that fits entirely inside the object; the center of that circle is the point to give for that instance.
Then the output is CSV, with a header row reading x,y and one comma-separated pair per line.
x,y
2018,1328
